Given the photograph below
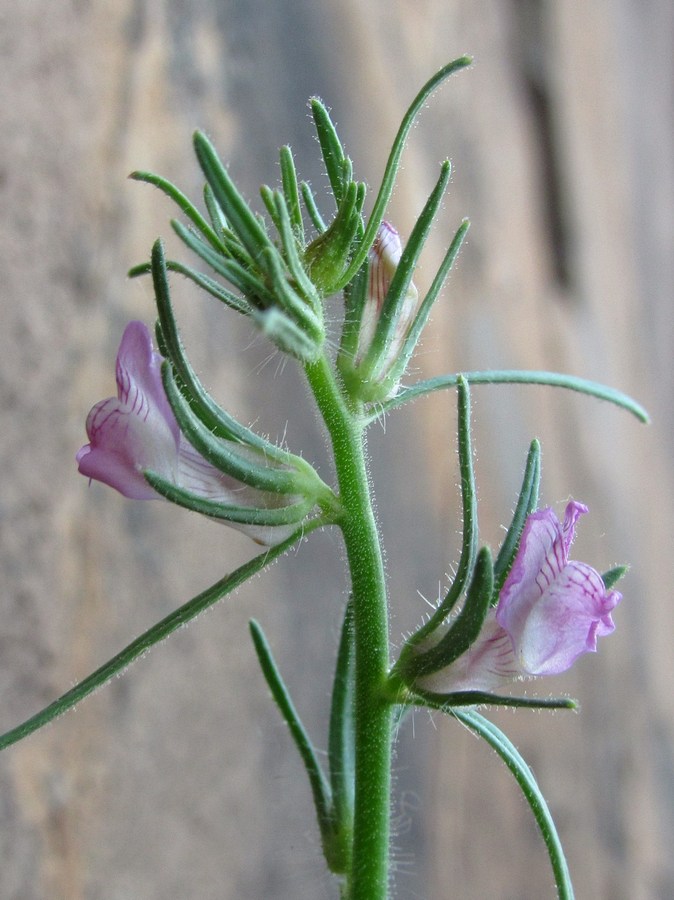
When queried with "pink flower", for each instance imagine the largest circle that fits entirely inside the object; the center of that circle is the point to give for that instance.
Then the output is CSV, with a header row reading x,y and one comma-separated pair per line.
x,y
384,257
550,611
137,431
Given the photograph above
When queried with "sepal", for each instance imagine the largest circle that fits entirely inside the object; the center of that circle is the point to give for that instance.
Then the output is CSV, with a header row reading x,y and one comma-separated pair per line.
x,y
237,212
465,567
245,463
264,517
613,576
527,502
291,192
416,662
334,157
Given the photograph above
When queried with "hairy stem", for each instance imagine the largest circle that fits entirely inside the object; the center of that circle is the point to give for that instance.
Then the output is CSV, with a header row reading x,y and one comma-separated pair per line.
x,y
368,879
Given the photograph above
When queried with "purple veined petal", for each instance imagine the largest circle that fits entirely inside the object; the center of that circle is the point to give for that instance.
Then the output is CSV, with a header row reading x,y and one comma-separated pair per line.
x,y
573,512
553,609
383,257
109,458
487,664
572,613
541,556
136,430
138,375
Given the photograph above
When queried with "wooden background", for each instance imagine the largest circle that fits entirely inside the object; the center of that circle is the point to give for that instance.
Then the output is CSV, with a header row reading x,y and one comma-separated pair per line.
x,y
178,780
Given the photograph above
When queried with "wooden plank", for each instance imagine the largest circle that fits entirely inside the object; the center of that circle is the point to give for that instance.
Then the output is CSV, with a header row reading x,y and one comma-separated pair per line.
x,y
178,779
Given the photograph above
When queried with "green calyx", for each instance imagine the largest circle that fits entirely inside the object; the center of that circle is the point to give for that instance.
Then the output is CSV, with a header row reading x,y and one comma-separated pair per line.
x,y
276,487
462,633
327,256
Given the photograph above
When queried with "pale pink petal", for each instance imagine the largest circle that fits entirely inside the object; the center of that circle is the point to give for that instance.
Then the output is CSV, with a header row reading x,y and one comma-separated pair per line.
x,y
136,430
488,664
572,613
553,609
540,558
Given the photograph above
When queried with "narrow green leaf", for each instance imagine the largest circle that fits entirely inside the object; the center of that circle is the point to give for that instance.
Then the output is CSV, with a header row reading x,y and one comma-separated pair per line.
x,y
425,309
361,194
392,166
292,257
464,630
184,203
265,517
238,213
215,214
402,279
513,376
268,198
237,460
355,295
257,293
291,192
447,702
238,304
331,148
152,636
317,780
532,793
341,748
464,571
140,269
312,208
527,502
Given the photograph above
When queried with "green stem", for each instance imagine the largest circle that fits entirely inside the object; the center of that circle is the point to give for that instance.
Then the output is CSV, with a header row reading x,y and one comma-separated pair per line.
x,y
372,714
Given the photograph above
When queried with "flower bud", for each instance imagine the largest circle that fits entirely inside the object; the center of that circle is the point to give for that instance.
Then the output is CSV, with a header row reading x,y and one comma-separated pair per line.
x,y
385,319
326,258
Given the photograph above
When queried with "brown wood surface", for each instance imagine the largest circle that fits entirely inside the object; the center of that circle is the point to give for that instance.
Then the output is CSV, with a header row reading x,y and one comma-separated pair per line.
x,y
179,780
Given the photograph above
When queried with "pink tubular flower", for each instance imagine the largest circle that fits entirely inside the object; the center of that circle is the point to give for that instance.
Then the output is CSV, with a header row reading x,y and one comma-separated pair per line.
x,y
550,611
137,431
384,257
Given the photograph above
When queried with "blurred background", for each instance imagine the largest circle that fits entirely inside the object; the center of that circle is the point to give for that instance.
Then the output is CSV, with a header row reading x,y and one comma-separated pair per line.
x,y
179,779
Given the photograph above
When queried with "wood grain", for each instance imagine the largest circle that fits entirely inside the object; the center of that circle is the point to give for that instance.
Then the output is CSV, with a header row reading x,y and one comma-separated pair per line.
x,y
178,780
